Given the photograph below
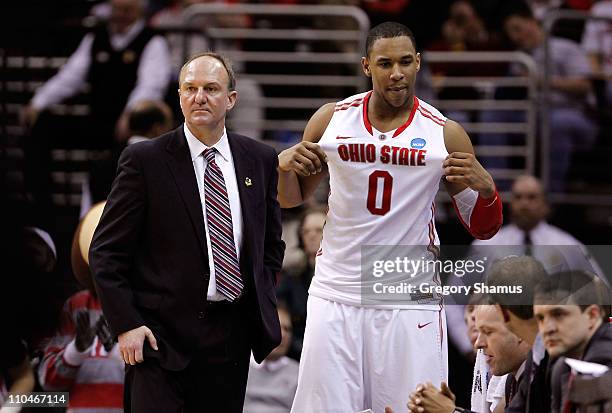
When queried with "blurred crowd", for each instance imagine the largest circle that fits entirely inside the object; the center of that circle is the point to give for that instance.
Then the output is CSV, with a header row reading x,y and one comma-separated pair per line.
x,y
55,337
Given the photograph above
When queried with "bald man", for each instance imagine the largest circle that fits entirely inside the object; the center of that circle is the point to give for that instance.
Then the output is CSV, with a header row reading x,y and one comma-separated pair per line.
x,y
186,254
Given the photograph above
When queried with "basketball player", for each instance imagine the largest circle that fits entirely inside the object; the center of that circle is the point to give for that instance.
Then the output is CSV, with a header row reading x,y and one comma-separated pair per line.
x,y
385,151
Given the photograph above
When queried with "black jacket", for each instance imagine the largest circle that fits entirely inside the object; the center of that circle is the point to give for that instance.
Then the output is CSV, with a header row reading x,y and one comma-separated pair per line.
x,y
149,256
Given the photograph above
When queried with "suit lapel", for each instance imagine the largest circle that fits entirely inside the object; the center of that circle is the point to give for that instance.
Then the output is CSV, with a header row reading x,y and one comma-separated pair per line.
x,y
243,165
181,166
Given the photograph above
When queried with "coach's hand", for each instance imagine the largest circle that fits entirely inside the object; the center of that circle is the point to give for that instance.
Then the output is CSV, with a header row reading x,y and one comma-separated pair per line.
x,y
428,399
305,158
463,168
131,343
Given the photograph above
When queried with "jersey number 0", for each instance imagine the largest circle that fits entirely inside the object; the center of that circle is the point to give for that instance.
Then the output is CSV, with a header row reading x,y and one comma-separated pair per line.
x,y
387,187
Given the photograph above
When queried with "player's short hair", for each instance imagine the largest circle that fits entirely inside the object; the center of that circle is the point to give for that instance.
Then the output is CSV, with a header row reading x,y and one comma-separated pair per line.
x,y
524,271
231,86
388,30
575,287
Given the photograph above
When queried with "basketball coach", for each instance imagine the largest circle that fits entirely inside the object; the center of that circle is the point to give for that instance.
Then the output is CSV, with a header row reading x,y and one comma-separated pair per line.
x,y
186,254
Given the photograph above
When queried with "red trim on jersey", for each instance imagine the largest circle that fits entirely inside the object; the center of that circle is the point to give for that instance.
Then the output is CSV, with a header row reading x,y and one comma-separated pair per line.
x,y
432,235
368,125
431,117
345,106
366,121
415,105
427,111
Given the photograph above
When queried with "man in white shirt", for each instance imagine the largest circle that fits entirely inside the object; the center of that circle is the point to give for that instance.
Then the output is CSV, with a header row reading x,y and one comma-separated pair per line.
x,y
123,61
529,234
597,41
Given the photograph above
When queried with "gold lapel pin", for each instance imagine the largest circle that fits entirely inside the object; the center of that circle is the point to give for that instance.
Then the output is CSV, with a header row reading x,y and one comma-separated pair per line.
x,y
247,181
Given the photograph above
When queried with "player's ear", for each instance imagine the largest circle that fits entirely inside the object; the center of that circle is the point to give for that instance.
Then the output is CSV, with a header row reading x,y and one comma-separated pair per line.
x,y
365,65
418,62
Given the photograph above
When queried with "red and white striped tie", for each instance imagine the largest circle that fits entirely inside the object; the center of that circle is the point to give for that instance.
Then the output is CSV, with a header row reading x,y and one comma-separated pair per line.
x,y
220,230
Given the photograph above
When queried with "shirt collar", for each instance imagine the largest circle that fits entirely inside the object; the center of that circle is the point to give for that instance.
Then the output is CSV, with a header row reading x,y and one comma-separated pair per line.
x,y
196,147
538,228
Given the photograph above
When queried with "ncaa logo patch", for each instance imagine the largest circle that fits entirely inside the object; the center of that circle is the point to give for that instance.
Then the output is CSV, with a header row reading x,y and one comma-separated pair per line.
x,y
417,143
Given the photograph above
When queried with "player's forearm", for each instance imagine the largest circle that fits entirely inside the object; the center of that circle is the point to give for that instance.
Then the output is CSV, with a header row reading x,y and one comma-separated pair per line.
x,y
289,190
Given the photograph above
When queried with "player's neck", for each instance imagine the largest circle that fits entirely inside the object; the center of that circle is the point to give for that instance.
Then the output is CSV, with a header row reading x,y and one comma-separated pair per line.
x,y
385,117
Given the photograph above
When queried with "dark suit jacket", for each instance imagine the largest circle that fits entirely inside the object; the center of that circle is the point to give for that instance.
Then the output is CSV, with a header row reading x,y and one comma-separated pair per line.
x,y
598,350
149,256
533,393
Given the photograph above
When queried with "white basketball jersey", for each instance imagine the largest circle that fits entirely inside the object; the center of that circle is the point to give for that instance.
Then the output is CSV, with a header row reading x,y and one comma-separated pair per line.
x,y
382,190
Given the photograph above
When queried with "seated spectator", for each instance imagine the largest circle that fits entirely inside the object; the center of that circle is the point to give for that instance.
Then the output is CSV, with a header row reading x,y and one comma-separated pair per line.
x,y
83,358
570,91
528,233
506,354
597,41
532,394
271,385
572,310
293,288
147,119
122,62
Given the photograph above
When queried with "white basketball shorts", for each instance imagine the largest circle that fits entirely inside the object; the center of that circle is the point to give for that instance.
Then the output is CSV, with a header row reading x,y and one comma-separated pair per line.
x,y
355,358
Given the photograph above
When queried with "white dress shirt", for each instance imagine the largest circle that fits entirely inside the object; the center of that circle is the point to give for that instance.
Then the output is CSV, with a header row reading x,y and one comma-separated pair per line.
x,y
554,248
225,161
152,78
